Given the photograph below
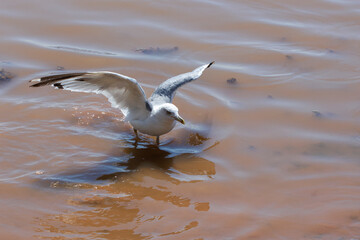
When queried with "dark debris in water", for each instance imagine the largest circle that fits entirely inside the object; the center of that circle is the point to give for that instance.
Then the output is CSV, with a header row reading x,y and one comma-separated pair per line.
x,y
330,50
321,115
5,76
298,166
157,50
289,57
317,114
251,148
232,81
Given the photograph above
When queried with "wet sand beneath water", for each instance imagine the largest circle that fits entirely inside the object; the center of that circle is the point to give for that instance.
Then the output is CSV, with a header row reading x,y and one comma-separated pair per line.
x,y
271,145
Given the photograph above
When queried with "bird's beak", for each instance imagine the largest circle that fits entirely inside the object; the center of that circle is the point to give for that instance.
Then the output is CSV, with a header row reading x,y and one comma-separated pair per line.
x,y
179,119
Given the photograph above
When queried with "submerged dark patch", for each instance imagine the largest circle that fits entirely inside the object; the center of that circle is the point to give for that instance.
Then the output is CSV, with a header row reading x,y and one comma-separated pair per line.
x,y
231,81
5,76
157,51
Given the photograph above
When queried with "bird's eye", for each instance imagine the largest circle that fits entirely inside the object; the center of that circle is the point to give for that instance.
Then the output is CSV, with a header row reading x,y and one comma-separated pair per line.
x,y
168,112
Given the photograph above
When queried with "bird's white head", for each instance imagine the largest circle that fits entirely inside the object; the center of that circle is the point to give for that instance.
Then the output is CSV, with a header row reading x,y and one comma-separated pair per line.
x,y
170,111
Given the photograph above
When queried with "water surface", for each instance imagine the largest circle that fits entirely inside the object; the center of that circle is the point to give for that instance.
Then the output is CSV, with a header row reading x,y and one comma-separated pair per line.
x,y
273,154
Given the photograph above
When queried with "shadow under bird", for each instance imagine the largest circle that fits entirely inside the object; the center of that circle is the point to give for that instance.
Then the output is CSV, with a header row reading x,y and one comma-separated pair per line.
x,y
154,116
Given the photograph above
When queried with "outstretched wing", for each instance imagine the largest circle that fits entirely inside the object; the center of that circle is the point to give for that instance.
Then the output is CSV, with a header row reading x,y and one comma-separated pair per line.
x,y
165,92
122,92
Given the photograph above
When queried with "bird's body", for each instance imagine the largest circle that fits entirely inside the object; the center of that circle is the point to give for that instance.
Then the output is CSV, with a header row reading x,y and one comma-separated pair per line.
x,y
154,116
157,123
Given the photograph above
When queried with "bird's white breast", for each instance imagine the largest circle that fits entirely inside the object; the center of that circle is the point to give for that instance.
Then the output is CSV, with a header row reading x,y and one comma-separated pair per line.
x,y
154,125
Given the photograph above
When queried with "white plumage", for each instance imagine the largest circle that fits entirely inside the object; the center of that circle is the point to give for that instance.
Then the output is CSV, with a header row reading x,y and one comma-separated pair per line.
x,y
155,116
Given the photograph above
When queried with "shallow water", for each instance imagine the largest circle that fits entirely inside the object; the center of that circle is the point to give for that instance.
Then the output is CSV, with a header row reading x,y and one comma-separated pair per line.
x,y
273,154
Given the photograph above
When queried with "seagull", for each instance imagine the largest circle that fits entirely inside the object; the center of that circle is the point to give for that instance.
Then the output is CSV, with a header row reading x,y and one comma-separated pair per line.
x,y
154,116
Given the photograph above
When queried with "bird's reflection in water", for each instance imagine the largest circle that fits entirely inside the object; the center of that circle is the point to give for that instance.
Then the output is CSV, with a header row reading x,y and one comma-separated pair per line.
x,y
135,155
123,184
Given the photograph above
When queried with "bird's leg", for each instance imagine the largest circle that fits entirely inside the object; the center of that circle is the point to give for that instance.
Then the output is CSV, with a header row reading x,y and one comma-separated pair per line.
x,y
136,143
136,137
136,134
158,140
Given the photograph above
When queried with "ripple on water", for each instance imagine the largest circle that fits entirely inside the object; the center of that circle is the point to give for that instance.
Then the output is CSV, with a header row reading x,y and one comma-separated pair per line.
x,y
273,156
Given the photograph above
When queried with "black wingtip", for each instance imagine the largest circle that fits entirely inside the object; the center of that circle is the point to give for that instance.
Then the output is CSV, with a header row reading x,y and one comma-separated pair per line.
x,y
48,80
36,85
210,64
58,86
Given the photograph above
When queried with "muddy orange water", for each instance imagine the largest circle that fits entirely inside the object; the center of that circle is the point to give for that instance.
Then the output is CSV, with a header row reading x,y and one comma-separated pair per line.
x,y
271,145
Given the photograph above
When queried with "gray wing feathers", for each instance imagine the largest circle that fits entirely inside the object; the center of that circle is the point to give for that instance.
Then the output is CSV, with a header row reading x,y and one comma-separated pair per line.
x,y
165,92
122,92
